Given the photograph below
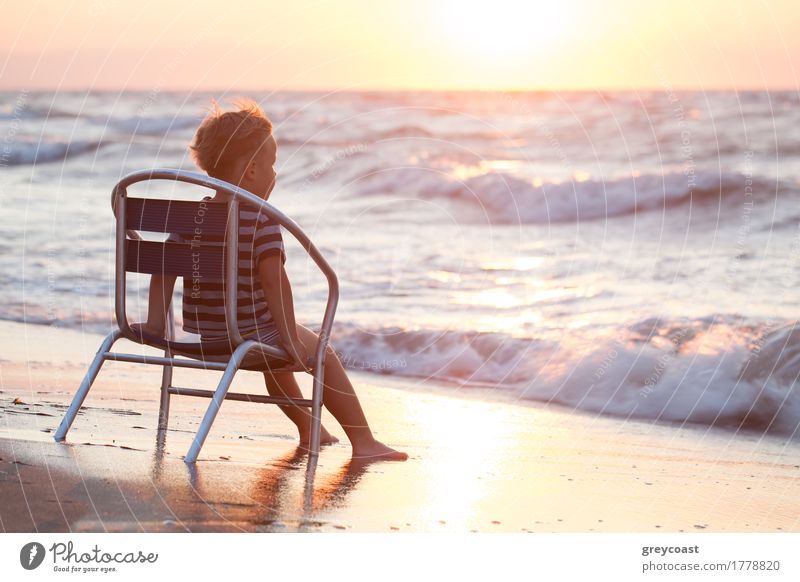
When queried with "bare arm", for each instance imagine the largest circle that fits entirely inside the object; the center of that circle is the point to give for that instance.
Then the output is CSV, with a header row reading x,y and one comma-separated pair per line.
x,y
278,294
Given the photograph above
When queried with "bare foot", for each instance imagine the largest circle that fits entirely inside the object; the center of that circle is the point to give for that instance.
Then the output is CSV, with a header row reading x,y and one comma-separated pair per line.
x,y
325,438
377,451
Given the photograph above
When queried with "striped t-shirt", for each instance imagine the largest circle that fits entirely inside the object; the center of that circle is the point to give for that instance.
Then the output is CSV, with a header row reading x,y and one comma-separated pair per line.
x,y
204,308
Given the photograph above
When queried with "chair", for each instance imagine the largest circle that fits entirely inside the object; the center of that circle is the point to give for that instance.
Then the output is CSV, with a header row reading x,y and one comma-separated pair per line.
x,y
134,254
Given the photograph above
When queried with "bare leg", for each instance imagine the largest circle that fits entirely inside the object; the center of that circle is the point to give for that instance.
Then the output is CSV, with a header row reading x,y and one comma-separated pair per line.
x,y
284,384
340,399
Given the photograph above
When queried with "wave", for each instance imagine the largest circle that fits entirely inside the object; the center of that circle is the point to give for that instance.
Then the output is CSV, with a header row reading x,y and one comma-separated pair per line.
x,y
417,131
154,125
403,131
28,153
656,370
51,112
98,324
506,198
775,355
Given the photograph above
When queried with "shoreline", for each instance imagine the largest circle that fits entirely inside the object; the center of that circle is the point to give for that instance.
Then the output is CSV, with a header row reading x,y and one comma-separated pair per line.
x,y
407,383
475,463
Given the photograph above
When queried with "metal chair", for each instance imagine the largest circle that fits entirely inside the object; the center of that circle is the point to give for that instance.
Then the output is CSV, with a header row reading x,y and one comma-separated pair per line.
x,y
133,254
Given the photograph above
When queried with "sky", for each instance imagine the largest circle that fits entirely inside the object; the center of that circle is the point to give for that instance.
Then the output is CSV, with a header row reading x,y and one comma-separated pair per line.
x,y
408,44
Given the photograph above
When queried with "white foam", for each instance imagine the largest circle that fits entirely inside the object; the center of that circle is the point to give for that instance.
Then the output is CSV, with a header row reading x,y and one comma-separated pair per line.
x,y
695,378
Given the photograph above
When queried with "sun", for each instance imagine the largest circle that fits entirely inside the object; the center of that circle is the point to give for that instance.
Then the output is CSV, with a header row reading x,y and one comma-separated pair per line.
x,y
502,28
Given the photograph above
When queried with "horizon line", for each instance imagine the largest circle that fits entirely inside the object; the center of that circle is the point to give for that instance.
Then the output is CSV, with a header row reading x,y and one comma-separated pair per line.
x,y
643,88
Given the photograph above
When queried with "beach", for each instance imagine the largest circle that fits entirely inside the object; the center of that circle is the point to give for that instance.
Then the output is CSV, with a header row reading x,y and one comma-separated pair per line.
x,y
479,461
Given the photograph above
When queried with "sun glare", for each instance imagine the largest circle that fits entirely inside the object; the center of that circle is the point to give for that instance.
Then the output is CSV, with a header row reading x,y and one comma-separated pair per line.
x,y
503,28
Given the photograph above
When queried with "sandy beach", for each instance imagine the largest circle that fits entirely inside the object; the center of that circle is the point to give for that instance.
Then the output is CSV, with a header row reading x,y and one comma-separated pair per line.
x,y
478,462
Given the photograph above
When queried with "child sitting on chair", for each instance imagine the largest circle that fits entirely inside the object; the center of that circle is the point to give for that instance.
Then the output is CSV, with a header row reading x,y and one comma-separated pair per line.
x,y
239,147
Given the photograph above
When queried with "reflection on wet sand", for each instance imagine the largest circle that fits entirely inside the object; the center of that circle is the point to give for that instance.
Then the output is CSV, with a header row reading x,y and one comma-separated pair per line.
x,y
276,495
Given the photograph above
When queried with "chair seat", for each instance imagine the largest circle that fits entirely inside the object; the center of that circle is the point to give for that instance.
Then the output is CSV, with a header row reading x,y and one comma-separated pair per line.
x,y
214,351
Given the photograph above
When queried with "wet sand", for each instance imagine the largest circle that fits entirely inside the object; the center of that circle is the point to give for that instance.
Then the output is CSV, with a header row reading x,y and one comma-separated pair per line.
x,y
478,461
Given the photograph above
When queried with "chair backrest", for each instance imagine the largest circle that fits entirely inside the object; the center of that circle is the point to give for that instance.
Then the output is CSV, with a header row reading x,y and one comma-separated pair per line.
x,y
200,223
170,259
205,226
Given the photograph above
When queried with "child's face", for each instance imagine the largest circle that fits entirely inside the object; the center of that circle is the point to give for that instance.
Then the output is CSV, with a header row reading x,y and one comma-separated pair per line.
x,y
260,174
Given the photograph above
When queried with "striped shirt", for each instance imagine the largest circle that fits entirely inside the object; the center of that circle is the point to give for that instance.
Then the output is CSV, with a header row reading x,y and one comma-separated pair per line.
x,y
204,308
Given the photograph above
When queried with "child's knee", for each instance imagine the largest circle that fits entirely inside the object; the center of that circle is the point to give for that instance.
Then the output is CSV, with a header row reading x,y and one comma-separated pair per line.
x,y
311,340
329,351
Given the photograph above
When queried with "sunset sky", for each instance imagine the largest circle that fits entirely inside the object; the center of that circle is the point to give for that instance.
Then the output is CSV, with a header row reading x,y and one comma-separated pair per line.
x,y
410,44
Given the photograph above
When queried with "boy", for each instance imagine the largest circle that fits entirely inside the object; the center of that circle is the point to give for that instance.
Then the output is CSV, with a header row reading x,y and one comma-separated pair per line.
x,y
239,147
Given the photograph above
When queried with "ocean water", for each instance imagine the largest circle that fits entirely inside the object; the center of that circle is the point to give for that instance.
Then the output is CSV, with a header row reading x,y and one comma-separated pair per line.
x,y
635,254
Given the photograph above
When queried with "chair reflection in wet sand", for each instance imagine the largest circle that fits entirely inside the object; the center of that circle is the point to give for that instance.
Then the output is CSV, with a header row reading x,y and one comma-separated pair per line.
x,y
273,501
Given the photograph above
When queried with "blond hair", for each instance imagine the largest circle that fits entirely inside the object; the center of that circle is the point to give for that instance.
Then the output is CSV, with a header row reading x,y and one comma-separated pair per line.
x,y
227,138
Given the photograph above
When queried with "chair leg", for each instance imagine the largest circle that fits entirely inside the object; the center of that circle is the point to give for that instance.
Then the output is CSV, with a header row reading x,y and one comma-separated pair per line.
x,y
166,380
219,395
88,380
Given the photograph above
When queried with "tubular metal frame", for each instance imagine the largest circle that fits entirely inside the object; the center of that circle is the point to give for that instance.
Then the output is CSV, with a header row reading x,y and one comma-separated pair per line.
x,y
241,347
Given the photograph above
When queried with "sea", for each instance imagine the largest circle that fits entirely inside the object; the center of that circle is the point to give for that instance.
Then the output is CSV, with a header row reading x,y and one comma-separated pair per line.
x,y
634,254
